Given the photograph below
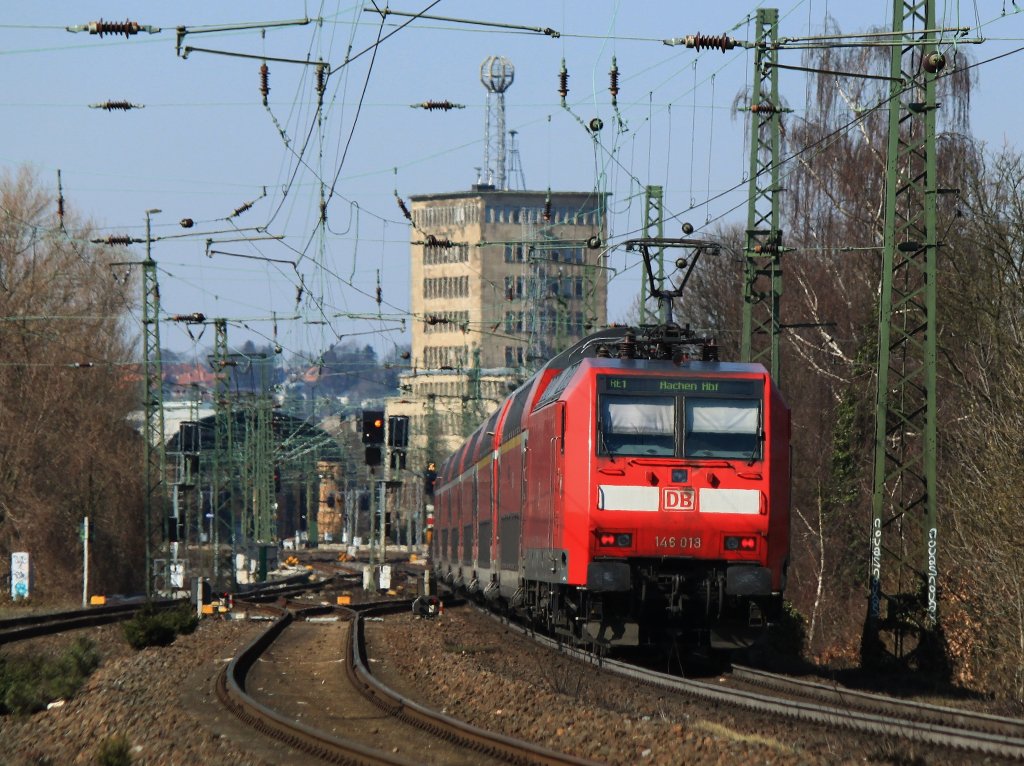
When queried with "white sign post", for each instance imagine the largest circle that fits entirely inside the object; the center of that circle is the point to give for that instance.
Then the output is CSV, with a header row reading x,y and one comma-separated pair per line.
x,y
20,575
85,562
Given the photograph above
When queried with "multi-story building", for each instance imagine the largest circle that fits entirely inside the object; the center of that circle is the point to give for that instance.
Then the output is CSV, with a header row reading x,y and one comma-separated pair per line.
x,y
501,281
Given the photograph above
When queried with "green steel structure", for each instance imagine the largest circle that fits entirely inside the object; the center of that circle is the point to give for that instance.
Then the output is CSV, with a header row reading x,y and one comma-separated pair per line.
x,y
654,227
904,544
222,485
762,282
154,455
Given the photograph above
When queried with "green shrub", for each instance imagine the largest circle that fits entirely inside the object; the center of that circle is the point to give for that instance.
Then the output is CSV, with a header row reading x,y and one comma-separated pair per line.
x,y
152,628
30,683
114,751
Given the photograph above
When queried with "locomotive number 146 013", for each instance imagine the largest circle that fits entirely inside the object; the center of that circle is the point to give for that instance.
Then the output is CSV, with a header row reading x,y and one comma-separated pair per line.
x,y
692,543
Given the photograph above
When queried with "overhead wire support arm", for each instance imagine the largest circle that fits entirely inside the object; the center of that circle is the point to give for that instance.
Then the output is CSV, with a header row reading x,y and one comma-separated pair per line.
x,y
385,12
183,31
259,57
211,252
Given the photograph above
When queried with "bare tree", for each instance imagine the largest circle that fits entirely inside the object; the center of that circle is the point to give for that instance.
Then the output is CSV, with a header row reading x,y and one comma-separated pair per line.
x,y
66,388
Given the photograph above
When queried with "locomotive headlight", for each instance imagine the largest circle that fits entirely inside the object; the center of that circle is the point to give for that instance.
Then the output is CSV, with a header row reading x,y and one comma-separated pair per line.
x,y
745,544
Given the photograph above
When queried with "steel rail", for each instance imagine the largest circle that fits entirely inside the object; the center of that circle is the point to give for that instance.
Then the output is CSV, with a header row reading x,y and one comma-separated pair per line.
x,y
36,625
441,725
878,703
231,691
946,734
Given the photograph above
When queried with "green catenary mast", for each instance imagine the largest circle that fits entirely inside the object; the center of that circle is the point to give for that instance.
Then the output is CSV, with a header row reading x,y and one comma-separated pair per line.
x,y
762,283
904,544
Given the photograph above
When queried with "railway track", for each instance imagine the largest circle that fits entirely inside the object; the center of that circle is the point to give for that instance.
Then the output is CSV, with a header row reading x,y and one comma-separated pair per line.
x,y
806,701
448,740
880,704
36,625
29,626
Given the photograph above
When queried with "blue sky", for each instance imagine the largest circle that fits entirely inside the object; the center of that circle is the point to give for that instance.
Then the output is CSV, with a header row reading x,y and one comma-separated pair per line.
x,y
205,146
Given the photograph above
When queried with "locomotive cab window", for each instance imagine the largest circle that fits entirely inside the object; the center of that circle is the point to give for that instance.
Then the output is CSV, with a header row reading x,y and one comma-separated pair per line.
x,y
637,425
722,428
637,417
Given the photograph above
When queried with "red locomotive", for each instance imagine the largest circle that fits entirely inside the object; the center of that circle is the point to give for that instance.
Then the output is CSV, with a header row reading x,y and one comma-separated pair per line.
x,y
635,490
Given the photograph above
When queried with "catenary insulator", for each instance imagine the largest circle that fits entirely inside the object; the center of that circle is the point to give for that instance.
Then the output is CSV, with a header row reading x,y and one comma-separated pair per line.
x,y
126,28
547,208
431,106
613,88
403,208
241,209
60,200
113,239
433,241
627,346
321,79
563,82
710,351
186,223
764,108
264,82
196,317
120,106
698,41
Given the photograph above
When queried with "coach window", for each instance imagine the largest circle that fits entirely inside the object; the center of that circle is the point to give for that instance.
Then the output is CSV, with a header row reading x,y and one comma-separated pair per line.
x,y
723,428
636,425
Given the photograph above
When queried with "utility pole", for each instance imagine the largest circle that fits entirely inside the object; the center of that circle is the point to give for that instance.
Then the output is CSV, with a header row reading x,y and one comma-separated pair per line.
x,y
154,459
654,226
904,544
762,282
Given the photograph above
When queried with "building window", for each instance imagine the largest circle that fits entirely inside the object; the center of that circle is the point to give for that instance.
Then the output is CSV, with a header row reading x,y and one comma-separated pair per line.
x,y
514,356
457,253
514,253
445,357
445,287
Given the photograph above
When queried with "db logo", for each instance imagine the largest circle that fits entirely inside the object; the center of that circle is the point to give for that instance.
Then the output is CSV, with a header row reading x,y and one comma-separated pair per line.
x,y
677,499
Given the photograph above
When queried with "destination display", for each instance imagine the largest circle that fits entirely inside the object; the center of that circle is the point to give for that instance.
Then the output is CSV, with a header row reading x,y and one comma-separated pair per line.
x,y
622,384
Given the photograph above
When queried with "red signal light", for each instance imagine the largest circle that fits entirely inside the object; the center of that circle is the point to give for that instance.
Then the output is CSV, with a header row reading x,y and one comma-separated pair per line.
x,y
606,540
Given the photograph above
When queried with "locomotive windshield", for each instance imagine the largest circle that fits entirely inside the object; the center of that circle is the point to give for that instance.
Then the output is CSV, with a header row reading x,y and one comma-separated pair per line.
x,y
638,425
699,420
726,428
